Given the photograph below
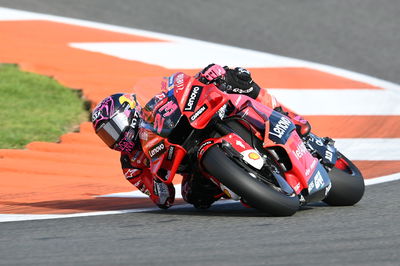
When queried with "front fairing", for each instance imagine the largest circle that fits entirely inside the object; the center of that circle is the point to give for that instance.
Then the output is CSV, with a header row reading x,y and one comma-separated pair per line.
x,y
303,171
185,104
159,119
199,102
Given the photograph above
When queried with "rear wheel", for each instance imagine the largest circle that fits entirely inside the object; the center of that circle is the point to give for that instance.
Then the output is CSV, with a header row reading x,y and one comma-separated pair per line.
x,y
256,193
347,183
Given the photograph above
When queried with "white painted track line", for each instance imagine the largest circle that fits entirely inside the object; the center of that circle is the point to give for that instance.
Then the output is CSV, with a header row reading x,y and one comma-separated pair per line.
x,y
340,102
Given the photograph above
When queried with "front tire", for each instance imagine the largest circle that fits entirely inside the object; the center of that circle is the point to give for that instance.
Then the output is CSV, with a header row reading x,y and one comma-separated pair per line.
x,y
256,193
347,184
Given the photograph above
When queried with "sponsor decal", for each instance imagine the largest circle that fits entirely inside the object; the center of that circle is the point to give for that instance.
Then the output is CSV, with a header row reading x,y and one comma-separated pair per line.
x,y
312,166
318,180
307,172
316,183
300,151
198,112
193,98
229,192
311,186
171,151
96,115
328,155
200,151
317,141
328,188
134,123
158,149
171,80
280,128
129,99
254,156
244,71
178,83
221,111
240,91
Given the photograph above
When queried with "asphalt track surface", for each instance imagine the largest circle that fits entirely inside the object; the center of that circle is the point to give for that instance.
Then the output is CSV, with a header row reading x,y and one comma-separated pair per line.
x,y
355,35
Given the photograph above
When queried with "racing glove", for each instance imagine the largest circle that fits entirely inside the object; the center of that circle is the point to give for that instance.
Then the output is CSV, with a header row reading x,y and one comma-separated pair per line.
x,y
239,81
163,195
210,73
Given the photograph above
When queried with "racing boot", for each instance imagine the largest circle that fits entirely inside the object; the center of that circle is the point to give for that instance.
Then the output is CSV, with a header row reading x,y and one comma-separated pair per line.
x,y
199,191
161,194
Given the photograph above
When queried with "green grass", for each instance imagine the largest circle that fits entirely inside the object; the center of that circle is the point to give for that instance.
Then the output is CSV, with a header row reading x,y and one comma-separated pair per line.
x,y
35,108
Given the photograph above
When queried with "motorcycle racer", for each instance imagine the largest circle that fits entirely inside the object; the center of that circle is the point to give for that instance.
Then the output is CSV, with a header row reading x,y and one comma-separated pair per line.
x,y
116,121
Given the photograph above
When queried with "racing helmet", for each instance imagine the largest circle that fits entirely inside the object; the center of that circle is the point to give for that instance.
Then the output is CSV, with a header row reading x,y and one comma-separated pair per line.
x,y
116,121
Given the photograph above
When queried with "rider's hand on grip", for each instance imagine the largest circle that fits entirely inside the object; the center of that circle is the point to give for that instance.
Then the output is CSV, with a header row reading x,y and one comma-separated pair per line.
x,y
239,78
212,72
239,81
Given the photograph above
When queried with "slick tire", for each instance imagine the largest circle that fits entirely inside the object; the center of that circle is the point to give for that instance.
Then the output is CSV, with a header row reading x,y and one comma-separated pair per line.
x,y
256,193
347,185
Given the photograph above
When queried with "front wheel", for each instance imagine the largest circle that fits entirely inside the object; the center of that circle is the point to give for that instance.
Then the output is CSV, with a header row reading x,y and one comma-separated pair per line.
x,y
255,192
347,183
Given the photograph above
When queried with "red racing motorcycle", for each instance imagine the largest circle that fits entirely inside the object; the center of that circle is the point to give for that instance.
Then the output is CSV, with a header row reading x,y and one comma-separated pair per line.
x,y
251,152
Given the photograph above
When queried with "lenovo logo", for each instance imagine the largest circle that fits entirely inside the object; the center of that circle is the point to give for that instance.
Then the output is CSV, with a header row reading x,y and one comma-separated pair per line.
x,y
158,149
193,98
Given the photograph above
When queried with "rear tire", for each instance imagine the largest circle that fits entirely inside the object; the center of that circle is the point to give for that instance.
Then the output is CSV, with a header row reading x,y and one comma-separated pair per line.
x,y
256,193
347,184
